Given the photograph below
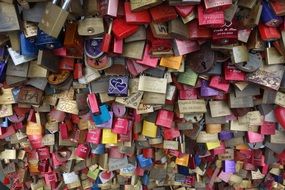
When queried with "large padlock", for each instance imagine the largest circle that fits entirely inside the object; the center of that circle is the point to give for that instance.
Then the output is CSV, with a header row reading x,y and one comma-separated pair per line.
x,y
54,18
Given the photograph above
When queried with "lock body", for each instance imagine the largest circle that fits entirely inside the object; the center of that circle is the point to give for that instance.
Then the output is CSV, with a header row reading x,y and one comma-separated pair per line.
x,y
53,19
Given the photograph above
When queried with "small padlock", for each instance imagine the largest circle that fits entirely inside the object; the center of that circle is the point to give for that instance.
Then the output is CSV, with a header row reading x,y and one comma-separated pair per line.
x,y
54,18
92,102
273,56
105,45
268,16
109,7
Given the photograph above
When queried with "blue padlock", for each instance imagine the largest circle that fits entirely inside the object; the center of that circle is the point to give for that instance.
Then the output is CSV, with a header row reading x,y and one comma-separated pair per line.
x,y
44,41
95,185
145,179
28,46
104,115
268,16
144,162
97,149
183,170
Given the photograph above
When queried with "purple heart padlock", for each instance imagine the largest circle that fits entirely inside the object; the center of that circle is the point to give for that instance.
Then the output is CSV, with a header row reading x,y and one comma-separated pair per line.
x,y
118,86
92,47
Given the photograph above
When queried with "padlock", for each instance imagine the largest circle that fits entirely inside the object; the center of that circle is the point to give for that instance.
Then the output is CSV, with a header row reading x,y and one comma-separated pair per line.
x,y
197,32
278,7
9,20
72,41
141,17
78,70
91,26
177,29
28,46
268,16
122,29
35,13
249,18
92,102
273,56
225,35
145,4
105,45
109,8
30,29
163,13
255,43
268,33
54,18
44,41
217,5
214,19
120,126
240,54
118,86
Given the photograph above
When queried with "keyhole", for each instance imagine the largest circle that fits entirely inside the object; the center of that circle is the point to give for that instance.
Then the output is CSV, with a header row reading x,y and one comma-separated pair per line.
x,y
254,145
244,64
204,65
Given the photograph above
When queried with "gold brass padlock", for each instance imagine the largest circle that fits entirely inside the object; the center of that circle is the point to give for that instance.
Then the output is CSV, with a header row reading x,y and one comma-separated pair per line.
x,y
54,18
240,54
273,56
91,26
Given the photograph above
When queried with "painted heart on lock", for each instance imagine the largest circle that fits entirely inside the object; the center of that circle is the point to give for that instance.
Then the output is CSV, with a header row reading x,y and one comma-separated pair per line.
x,y
119,84
280,115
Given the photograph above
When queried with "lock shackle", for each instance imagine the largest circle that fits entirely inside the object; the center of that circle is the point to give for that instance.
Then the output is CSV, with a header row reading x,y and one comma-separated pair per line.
x,y
66,4
54,1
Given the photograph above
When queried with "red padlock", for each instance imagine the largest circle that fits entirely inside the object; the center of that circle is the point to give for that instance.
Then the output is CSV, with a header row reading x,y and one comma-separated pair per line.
x,y
225,35
139,17
184,10
268,33
214,19
122,29
198,32
106,42
78,72
219,83
163,13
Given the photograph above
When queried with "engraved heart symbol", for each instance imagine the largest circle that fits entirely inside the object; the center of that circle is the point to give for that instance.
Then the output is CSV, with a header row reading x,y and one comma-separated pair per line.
x,y
121,87
119,84
115,81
